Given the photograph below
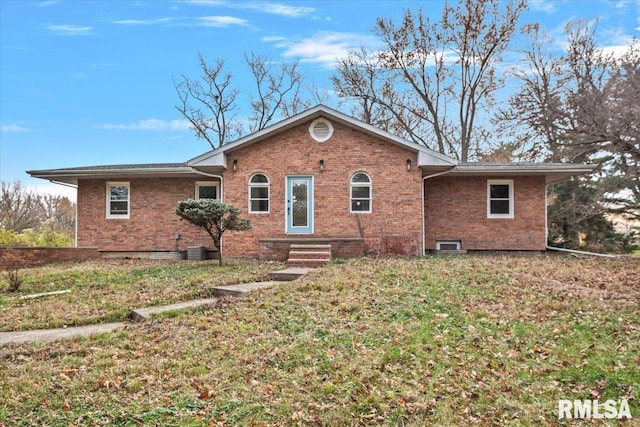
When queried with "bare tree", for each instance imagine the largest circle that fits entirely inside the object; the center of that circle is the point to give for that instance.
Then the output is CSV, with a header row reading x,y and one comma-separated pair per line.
x,y
277,89
61,211
210,103
20,208
434,79
532,124
583,106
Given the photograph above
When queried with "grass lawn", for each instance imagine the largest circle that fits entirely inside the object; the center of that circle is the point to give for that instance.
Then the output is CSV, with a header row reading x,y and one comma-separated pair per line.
x,y
472,340
107,290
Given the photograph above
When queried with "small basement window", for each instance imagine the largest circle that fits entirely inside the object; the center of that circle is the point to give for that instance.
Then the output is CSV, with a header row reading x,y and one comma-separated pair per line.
x,y
321,130
448,245
118,200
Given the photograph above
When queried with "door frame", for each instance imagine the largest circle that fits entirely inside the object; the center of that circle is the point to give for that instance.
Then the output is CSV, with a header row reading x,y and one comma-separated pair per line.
x,y
289,229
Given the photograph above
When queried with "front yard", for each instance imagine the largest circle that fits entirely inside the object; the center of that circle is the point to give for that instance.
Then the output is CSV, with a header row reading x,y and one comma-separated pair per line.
x,y
107,290
473,340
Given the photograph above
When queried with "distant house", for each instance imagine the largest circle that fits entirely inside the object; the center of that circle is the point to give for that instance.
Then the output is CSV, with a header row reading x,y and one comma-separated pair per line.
x,y
320,177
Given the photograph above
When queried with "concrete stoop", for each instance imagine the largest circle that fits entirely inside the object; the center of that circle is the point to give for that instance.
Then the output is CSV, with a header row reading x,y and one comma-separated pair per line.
x,y
308,256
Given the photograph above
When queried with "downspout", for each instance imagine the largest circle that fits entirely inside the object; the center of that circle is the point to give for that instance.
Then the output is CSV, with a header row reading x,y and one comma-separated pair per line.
x,y
546,229
221,195
546,215
424,178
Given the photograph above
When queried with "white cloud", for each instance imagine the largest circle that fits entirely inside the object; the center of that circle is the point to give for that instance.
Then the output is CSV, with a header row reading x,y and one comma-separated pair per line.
x,y
143,21
266,7
150,124
268,39
99,65
221,21
80,76
617,51
206,2
13,128
617,35
276,9
48,3
70,30
542,6
325,48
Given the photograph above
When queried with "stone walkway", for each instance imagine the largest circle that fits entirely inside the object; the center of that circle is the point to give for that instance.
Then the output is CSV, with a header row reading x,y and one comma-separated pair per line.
x,y
46,335
141,314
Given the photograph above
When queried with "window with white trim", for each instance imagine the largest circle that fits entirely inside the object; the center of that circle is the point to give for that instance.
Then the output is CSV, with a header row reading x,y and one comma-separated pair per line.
x,y
500,198
449,245
259,193
360,193
208,190
118,196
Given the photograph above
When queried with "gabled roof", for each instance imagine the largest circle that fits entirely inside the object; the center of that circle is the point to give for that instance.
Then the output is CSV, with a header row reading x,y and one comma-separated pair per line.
x,y
217,157
215,161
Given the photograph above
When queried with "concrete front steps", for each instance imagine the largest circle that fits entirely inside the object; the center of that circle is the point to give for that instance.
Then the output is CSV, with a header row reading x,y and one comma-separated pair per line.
x,y
308,256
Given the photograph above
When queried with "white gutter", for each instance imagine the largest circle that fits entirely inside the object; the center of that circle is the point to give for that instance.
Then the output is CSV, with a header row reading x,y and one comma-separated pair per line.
x,y
424,178
66,184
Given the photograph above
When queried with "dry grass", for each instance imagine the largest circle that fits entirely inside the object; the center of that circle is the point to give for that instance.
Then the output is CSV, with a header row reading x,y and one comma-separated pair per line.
x,y
107,290
431,341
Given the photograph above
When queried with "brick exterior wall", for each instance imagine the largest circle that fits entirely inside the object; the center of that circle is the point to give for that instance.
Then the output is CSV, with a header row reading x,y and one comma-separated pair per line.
x,y
30,257
456,209
394,226
152,220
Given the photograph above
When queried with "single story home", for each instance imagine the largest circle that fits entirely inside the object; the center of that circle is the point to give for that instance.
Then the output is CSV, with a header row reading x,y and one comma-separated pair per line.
x,y
318,178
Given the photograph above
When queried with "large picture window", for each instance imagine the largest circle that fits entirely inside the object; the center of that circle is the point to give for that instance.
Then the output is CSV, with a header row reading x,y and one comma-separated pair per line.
x,y
360,193
259,194
500,198
118,200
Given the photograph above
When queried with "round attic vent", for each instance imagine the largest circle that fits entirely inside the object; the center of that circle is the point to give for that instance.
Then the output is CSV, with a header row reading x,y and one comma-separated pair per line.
x,y
321,130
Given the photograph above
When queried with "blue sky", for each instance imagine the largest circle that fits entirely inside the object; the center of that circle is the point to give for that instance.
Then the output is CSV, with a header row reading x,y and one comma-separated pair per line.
x,y
87,82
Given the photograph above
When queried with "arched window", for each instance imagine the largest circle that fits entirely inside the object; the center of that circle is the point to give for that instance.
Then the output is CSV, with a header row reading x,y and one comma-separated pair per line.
x,y
259,194
360,193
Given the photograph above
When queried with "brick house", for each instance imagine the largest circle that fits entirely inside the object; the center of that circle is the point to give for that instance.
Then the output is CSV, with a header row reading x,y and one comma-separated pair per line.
x,y
320,177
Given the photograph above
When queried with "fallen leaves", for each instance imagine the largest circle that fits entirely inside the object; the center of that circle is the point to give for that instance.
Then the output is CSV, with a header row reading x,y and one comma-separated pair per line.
x,y
470,340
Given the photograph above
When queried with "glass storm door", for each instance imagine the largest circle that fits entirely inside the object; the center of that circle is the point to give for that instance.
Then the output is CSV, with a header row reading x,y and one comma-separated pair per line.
x,y
299,205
